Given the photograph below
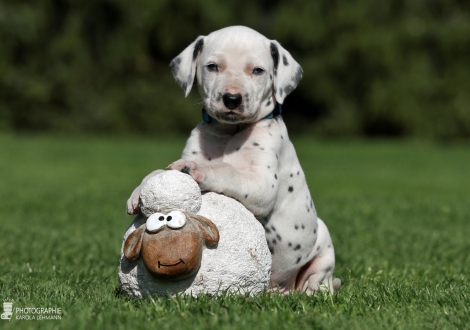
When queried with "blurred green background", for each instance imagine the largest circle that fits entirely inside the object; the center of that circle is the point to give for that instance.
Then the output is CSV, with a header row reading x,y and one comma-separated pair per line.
x,y
371,68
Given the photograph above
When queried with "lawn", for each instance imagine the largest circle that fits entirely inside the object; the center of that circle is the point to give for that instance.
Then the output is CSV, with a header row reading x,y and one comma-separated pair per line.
x,y
398,213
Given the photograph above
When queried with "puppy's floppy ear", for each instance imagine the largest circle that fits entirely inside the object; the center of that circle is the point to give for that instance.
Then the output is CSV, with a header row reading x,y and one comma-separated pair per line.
x,y
287,72
134,243
184,65
207,228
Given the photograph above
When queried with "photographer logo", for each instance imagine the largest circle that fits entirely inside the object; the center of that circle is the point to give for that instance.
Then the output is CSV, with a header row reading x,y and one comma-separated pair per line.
x,y
30,313
7,311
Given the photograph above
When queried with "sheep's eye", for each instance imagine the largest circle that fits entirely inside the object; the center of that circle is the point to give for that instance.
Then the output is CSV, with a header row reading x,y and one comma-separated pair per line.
x,y
176,219
155,222
257,71
213,67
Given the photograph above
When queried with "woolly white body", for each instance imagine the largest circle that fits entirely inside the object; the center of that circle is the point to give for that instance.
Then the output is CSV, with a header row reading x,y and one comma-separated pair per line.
x,y
240,262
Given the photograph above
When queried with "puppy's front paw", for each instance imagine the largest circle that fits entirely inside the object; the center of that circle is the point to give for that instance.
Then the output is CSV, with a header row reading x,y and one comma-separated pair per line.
x,y
132,206
188,167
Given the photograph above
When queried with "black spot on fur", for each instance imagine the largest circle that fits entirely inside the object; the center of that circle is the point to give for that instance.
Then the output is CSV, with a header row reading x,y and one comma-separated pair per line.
x,y
275,56
275,176
277,157
284,60
273,228
194,152
274,241
186,169
198,48
282,137
298,172
308,209
289,244
262,148
297,76
182,84
315,231
279,237
291,175
298,260
291,189
273,186
318,248
303,227
271,76
175,65
190,80
271,250
296,227
269,166
246,196
329,245
238,148
268,104
288,89
267,230
209,159
297,247
255,144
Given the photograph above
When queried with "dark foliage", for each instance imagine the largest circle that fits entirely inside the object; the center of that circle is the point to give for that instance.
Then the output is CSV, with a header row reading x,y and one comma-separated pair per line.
x,y
390,67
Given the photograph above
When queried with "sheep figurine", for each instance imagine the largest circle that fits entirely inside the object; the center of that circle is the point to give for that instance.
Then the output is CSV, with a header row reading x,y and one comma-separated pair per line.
x,y
192,243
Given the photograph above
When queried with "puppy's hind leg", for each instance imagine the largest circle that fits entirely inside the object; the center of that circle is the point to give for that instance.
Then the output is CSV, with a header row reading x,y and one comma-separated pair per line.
x,y
317,274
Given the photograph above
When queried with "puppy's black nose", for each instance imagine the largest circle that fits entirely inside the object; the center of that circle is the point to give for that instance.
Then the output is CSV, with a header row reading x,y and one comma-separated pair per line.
x,y
232,101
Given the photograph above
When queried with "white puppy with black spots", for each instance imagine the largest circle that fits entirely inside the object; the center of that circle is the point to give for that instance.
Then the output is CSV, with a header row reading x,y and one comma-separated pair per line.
x,y
242,150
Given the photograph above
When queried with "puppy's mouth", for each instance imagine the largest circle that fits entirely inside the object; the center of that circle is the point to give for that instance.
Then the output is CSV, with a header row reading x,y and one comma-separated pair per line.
x,y
229,116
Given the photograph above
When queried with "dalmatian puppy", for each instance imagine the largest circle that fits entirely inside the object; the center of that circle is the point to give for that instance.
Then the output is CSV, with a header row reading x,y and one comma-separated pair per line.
x,y
242,150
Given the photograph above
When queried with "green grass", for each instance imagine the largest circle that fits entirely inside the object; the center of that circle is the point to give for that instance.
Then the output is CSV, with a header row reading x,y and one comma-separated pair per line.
x,y
398,212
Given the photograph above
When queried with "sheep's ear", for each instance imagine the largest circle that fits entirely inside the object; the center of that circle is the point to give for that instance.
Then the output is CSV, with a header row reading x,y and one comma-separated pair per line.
x,y
134,243
184,65
287,72
207,228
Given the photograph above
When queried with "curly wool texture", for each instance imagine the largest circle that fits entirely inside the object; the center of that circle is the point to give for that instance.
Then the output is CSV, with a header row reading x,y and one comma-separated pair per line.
x,y
240,263
168,191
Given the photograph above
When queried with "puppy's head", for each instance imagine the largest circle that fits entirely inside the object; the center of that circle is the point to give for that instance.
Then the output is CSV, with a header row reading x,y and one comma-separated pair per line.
x,y
240,73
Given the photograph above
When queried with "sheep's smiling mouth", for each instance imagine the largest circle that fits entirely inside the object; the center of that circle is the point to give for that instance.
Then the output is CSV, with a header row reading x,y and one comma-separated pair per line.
x,y
179,262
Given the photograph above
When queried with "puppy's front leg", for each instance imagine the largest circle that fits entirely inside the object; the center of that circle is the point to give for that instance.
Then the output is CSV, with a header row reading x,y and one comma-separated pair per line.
x,y
254,188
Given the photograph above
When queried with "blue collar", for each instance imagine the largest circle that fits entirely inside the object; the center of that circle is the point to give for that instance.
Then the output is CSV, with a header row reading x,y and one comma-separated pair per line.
x,y
276,112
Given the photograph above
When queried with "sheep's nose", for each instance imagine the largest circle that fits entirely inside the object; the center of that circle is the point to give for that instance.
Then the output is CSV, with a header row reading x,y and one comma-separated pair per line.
x,y
232,101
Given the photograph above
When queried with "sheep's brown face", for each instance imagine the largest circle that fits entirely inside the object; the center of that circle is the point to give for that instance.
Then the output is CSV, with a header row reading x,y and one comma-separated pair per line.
x,y
171,250
172,255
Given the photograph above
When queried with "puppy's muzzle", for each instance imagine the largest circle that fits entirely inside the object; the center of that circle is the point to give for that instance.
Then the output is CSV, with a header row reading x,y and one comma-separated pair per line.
x,y
232,101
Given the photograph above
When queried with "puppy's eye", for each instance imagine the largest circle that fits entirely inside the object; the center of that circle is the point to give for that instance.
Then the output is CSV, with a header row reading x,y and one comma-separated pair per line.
x,y
155,222
213,67
257,71
175,219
